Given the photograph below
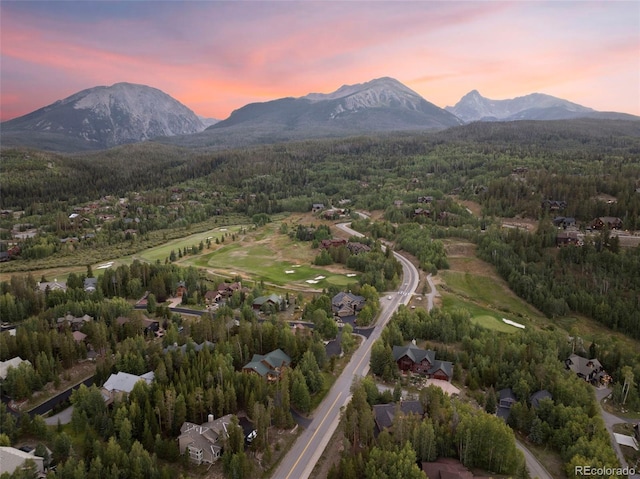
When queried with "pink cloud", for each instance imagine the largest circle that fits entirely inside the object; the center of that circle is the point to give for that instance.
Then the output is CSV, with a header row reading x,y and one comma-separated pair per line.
x,y
218,56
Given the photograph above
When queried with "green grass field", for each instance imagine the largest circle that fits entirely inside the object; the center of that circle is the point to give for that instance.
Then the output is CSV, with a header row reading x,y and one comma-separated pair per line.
x,y
262,262
490,293
485,317
162,252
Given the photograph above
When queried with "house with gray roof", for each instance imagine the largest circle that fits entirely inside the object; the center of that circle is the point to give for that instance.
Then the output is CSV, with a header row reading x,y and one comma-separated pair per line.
x,y
203,442
12,459
346,304
588,369
384,414
265,302
538,396
54,285
90,285
11,363
506,399
121,383
268,365
189,345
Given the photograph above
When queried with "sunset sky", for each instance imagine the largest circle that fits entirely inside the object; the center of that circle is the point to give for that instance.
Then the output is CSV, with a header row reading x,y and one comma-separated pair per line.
x,y
218,56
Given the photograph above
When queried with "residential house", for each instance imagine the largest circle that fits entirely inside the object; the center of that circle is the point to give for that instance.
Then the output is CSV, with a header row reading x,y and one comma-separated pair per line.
x,y
181,289
317,207
121,384
90,285
54,285
12,459
74,323
271,302
333,213
564,238
227,289
588,369
356,248
413,359
268,365
212,297
554,205
420,361
564,222
610,222
332,243
122,320
446,468
11,363
346,304
506,399
539,396
190,345
421,212
79,337
383,414
203,442
151,326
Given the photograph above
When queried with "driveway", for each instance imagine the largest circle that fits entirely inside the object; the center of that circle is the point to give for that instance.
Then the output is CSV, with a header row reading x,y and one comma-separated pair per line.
x,y
63,416
610,420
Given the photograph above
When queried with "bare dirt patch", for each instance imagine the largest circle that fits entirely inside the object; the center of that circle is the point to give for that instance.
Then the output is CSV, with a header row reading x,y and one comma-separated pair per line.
x,y
527,224
462,257
475,208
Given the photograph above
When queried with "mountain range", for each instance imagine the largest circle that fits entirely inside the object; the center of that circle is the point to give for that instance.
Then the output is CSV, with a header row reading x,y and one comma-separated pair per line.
x,y
103,117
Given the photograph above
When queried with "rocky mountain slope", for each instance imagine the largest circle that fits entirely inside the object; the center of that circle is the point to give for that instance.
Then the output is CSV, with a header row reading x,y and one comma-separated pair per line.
x,y
383,104
536,106
102,117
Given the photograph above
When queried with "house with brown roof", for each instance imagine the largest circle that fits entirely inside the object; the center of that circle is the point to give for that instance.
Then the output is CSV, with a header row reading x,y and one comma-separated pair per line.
x,y
446,468
227,289
181,289
420,361
332,243
211,297
564,238
610,222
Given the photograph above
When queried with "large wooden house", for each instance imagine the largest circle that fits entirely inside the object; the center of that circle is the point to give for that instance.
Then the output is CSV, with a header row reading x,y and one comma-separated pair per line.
x,y
420,361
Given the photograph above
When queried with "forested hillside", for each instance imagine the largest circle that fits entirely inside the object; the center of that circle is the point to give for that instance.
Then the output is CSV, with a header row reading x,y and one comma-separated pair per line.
x,y
553,206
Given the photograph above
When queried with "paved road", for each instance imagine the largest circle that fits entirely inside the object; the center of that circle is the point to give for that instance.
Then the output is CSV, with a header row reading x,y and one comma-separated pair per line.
x,y
302,457
535,467
609,421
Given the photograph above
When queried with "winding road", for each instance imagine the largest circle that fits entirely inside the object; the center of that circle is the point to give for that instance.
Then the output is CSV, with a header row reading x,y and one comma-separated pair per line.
x,y
305,452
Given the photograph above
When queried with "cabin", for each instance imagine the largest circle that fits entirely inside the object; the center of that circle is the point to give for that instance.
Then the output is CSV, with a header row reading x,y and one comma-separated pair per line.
x,y
608,222
420,361
269,365
181,289
564,238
